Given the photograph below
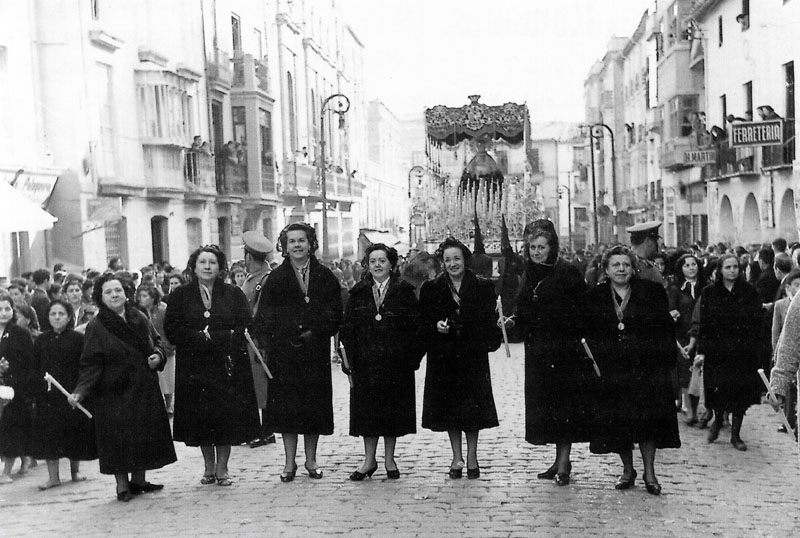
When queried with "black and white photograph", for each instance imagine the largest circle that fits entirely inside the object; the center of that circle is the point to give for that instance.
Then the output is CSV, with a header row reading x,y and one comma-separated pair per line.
x,y
420,268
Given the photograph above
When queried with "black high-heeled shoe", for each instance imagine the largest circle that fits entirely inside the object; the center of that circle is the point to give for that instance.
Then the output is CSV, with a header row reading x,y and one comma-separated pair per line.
x,y
124,496
313,473
358,476
393,474
147,487
457,472
653,488
549,474
289,476
474,473
624,482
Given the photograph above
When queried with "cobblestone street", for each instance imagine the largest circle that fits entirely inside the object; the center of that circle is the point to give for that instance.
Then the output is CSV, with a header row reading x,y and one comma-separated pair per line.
x,y
709,490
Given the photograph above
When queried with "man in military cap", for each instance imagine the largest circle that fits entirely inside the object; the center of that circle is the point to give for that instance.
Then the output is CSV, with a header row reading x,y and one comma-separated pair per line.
x,y
257,250
644,243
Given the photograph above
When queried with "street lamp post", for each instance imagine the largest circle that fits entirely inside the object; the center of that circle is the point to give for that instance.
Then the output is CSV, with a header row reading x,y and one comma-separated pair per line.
x,y
562,188
419,171
599,134
594,190
341,108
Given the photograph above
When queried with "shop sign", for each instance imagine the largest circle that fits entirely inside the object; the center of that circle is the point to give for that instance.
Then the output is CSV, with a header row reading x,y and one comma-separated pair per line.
x,y
748,134
700,157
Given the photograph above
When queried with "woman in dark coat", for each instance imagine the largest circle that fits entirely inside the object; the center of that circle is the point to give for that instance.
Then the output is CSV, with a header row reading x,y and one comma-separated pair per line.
x,y
300,309
559,380
682,296
58,430
379,334
16,418
459,328
215,400
633,340
729,318
121,353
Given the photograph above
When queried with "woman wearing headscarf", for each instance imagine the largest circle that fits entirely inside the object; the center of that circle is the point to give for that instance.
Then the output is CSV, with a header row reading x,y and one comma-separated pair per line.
x,y
633,340
379,334
558,378
459,328
729,317
215,401
121,354
300,309
149,300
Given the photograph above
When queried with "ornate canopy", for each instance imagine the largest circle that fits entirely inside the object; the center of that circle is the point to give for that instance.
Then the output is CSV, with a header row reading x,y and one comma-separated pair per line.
x,y
452,125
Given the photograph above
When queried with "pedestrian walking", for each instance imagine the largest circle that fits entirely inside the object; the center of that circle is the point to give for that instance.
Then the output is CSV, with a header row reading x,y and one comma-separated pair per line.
x,y
634,344
459,328
257,249
380,337
300,309
16,347
121,354
683,295
58,430
149,300
215,403
728,346
559,381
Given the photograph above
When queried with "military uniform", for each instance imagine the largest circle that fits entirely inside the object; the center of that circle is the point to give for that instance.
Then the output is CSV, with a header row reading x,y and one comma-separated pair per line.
x,y
647,269
259,245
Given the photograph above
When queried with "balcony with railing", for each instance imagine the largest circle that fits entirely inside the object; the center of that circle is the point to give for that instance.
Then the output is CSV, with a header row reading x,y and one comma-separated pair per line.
x,y
731,162
231,172
780,156
219,68
198,173
163,171
249,73
673,151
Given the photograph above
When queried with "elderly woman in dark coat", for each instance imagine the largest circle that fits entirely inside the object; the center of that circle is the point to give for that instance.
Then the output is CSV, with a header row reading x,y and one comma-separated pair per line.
x,y
215,401
559,379
632,337
459,329
729,318
121,354
16,418
59,431
300,309
379,334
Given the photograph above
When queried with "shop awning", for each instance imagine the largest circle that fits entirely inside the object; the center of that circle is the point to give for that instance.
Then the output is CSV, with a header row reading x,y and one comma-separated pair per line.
x,y
18,214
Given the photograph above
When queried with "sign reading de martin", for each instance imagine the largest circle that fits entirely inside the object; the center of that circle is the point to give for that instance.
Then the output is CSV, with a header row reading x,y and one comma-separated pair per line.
x,y
700,157
756,133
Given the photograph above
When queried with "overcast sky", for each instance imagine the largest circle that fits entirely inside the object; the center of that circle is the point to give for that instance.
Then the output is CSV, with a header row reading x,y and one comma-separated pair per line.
x,y
420,53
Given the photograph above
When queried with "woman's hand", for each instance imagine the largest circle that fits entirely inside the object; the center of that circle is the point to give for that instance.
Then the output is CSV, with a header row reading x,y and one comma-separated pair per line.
x,y
684,353
699,360
442,327
74,399
776,403
675,315
153,361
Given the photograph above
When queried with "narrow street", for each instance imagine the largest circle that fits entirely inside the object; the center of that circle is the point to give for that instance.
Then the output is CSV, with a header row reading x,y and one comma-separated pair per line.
x,y
709,490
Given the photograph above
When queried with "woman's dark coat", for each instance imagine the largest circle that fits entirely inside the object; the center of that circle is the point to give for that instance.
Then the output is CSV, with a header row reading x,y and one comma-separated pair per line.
x,y
298,339
680,299
215,400
59,431
458,384
16,418
728,336
559,379
635,399
131,424
383,356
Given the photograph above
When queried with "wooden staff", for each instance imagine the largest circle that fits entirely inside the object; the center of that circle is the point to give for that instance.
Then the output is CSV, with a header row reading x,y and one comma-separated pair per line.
x,y
346,363
51,382
774,399
591,357
503,324
257,353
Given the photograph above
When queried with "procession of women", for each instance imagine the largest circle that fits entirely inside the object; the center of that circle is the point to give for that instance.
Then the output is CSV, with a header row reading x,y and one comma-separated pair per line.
x,y
120,373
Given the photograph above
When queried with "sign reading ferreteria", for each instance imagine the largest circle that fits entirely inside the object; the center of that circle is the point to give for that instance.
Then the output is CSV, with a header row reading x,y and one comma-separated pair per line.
x,y
749,134
700,157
